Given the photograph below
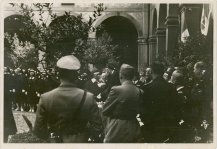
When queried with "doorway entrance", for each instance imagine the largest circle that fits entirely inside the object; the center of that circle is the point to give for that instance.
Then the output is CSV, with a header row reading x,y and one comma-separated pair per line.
x,y
123,34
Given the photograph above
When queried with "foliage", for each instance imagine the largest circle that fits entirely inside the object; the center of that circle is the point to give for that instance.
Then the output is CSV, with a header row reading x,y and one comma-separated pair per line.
x,y
65,35
195,48
22,53
101,51
194,45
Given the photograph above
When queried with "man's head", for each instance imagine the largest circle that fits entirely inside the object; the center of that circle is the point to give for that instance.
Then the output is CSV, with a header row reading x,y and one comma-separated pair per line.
x,y
157,68
168,73
126,72
199,68
111,67
68,68
18,70
177,78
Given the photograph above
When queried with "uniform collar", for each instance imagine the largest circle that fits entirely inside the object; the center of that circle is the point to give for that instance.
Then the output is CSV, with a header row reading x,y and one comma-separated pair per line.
x,y
127,83
67,84
179,88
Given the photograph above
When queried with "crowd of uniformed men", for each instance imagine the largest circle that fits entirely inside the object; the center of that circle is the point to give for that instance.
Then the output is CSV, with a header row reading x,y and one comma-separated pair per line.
x,y
25,86
194,88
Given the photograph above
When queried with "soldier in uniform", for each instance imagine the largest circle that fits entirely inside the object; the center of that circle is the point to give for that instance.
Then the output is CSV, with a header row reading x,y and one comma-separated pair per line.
x,y
185,133
12,88
9,122
159,108
121,107
201,97
70,113
32,92
18,89
112,79
24,88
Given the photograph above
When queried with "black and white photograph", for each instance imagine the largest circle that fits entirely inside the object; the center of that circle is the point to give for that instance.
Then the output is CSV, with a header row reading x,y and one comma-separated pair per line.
x,y
102,73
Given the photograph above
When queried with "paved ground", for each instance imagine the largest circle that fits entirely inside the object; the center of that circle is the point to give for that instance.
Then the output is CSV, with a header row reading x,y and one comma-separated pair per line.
x,y
21,124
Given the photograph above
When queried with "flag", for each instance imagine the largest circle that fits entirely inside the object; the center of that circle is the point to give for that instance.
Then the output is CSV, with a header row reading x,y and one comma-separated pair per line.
x,y
184,29
205,18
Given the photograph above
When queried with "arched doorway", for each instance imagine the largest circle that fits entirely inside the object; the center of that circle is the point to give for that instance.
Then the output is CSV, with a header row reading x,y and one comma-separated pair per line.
x,y
123,34
14,24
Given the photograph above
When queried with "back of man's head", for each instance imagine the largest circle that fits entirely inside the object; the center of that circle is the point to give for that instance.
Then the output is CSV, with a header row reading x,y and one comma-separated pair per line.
x,y
177,77
200,65
69,75
127,72
157,68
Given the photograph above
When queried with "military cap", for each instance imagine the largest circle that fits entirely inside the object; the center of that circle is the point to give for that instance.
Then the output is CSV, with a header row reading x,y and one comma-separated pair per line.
x,y
69,62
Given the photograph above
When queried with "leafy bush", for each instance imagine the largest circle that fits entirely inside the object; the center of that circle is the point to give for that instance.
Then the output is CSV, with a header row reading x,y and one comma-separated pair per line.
x,y
101,51
22,54
195,48
65,35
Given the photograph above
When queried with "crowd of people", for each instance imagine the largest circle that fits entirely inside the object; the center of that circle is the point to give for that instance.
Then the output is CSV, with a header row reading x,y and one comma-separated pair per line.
x,y
24,87
158,105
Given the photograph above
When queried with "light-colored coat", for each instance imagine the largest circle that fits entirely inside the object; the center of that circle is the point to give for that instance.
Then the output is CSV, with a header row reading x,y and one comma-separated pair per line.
x,y
59,105
121,108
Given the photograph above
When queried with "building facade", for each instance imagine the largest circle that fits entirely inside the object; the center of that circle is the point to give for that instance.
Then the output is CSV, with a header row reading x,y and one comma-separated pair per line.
x,y
152,30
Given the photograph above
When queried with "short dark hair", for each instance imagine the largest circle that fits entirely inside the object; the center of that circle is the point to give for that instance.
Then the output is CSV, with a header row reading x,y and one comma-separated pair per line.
x,y
157,68
69,75
127,73
178,77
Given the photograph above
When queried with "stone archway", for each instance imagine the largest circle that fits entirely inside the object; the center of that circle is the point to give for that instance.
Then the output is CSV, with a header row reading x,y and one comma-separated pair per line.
x,y
124,34
131,56
59,15
122,14
12,26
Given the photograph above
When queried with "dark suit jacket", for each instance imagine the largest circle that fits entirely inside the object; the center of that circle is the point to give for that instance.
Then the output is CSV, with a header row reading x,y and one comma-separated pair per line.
x,y
92,87
122,102
9,122
113,80
59,105
160,106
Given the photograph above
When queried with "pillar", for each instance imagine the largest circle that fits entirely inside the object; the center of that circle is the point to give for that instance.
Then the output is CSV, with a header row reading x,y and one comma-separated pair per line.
x,y
161,42
172,29
142,53
152,49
